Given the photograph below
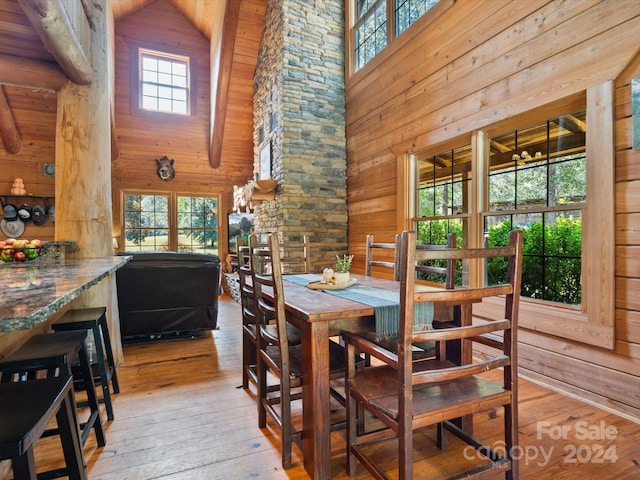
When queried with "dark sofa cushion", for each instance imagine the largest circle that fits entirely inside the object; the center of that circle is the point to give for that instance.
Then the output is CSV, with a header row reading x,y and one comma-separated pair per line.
x,y
162,292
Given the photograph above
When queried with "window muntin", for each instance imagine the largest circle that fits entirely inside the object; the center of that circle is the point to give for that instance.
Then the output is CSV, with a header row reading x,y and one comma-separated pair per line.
x,y
537,183
164,82
151,224
408,11
370,30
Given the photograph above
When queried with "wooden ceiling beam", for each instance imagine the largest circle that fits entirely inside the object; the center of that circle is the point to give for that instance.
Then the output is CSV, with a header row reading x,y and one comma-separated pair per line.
x,y
51,22
8,131
29,73
223,71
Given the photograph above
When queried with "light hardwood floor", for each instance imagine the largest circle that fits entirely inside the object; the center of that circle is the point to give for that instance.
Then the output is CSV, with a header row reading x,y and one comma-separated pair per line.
x,y
182,415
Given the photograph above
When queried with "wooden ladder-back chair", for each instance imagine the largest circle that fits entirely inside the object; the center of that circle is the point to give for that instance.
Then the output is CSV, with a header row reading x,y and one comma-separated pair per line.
x,y
373,247
295,257
446,273
249,308
276,353
249,317
406,395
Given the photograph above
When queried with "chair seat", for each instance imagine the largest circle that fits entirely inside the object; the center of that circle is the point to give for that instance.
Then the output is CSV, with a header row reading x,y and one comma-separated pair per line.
x,y
26,409
379,386
54,353
294,336
44,346
23,405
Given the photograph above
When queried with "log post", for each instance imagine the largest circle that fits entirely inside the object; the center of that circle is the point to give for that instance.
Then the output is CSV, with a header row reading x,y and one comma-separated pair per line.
x,y
83,172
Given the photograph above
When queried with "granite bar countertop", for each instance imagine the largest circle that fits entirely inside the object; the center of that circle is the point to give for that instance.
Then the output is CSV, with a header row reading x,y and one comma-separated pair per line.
x,y
31,293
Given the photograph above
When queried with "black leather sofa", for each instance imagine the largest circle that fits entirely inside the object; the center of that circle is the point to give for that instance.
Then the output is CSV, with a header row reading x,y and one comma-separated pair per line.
x,y
167,293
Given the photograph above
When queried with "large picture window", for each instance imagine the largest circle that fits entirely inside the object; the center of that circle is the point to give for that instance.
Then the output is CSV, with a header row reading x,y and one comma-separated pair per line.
x,y
551,178
170,222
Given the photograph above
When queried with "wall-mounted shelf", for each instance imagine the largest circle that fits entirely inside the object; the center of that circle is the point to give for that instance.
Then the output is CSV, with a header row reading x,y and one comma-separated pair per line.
x,y
45,198
253,191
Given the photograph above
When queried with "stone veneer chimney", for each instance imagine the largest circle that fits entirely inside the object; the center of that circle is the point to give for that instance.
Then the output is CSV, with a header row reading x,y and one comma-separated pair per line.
x,y
299,107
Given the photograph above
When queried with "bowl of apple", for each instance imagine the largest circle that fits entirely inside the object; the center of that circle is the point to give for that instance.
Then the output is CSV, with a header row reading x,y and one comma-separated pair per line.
x,y
22,250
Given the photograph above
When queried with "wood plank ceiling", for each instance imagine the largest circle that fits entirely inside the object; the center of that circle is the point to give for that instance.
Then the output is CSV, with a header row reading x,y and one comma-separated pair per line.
x,y
25,63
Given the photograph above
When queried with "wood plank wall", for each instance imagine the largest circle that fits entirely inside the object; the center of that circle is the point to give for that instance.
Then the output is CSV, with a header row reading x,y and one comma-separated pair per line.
x,y
467,65
35,115
142,137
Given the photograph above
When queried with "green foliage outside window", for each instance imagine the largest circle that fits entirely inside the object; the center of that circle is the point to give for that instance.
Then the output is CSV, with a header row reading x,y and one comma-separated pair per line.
x,y
551,267
551,255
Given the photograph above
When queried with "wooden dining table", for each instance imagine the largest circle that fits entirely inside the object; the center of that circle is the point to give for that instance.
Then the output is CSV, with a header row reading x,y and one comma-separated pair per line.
x,y
319,316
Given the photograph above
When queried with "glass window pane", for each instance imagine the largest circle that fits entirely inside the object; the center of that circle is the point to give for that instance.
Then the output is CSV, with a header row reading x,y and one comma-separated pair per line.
x,y
426,199
444,180
533,279
179,107
145,223
532,187
149,90
164,104
568,182
151,77
180,69
567,135
150,103
164,79
164,92
179,82
197,223
149,63
164,66
502,191
408,11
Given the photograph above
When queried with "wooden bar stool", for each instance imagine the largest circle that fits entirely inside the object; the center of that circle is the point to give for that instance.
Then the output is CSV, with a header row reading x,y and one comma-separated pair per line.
x,y
95,319
53,354
26,408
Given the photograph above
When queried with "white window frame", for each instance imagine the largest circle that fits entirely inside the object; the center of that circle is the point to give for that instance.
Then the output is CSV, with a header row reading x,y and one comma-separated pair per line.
x,y
170,86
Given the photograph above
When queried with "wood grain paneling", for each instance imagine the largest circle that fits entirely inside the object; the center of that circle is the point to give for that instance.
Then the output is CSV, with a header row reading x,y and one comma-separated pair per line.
x,y
476,65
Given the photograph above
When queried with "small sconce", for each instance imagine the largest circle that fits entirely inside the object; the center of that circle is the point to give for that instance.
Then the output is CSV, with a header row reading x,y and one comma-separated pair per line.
x,y
115,244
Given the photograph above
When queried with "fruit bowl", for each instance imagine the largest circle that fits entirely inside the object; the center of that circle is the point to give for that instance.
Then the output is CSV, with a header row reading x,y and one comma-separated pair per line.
x,y
12,250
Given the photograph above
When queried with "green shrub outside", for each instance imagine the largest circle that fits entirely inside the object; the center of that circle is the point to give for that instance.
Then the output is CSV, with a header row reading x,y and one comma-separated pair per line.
x,y
551,256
